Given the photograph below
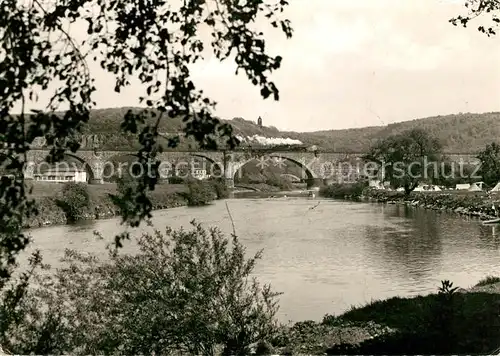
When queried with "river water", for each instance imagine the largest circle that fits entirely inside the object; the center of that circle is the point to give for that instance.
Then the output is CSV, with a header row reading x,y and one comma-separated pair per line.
x,y
327,257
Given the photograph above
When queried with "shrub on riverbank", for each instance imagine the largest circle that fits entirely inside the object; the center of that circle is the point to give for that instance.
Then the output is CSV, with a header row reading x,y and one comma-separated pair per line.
x,y
282,183
203,192
176,180
187,291
343,191
266,182
219,187
101,206
199,193
49,213
75,201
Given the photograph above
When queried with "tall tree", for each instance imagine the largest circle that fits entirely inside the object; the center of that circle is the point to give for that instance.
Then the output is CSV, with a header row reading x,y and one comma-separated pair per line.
x,y
406,159
490,163
155,41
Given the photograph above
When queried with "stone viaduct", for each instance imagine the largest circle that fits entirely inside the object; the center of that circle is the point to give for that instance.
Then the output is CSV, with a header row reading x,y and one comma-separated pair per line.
x,y
317,167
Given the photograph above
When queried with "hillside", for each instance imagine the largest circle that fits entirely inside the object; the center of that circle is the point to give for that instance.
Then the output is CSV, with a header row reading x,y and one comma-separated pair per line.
x,y
466,133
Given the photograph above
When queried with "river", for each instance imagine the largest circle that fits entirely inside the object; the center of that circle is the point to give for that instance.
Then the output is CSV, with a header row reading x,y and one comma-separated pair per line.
x,y
327,258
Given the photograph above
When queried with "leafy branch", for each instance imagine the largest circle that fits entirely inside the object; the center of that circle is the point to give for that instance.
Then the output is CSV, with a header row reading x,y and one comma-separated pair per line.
x,y
129,39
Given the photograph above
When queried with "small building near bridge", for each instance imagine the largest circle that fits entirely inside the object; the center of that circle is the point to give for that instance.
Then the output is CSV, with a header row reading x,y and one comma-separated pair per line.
x,y
199,174
62,175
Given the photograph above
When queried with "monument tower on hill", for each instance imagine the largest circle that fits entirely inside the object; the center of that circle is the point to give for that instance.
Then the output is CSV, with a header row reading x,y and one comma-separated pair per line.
x,y
259,121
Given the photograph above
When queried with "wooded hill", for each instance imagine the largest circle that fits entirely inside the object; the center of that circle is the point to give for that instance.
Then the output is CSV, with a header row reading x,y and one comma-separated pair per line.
x,y
459,133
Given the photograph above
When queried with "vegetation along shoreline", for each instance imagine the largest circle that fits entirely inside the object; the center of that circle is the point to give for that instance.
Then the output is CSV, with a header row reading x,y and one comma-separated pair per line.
x,y
58,208
73,202
474,204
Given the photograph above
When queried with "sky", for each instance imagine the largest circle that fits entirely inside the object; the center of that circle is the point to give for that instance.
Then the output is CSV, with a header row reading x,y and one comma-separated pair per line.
x,y
356,63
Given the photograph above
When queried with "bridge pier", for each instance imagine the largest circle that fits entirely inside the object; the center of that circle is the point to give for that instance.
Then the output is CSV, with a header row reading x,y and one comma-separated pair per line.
x,y
229,183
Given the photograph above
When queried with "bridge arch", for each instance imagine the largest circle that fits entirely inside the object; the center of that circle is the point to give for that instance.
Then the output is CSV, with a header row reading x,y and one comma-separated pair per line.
x,y
124,161
39,165
91,174
276,159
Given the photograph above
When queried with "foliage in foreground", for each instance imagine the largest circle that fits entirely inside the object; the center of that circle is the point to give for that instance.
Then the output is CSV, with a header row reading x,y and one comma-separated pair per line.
x,y
480,8
449,322
186,290
191,291
40,55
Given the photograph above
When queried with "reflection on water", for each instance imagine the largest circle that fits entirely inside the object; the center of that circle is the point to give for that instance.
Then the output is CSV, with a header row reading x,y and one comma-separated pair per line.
x,y
327,258
412,239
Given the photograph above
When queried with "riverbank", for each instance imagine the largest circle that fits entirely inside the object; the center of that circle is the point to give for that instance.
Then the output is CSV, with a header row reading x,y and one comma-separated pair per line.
x,y
472,204
452,321
165,196
276,194
50,213
335,332
267,188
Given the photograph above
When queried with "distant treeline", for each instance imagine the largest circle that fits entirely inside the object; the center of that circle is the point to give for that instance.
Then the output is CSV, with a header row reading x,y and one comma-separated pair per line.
x,y
463,132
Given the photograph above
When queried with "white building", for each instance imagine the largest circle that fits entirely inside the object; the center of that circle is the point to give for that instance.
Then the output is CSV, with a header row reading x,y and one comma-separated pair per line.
x,y
199,173
427,188
377,184
62,175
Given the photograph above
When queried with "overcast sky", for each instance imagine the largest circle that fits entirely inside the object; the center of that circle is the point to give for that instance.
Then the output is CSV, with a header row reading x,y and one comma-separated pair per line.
x,y
355,63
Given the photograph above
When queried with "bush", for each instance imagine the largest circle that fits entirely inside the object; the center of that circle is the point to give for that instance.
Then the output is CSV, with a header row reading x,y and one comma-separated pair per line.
x,y
276,181
185,291
176,180
199,193
342,191
219,187
75,201
26,325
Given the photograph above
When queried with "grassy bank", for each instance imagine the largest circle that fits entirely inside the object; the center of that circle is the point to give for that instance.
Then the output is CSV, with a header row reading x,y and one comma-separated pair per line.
x,y
452,321
100,206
